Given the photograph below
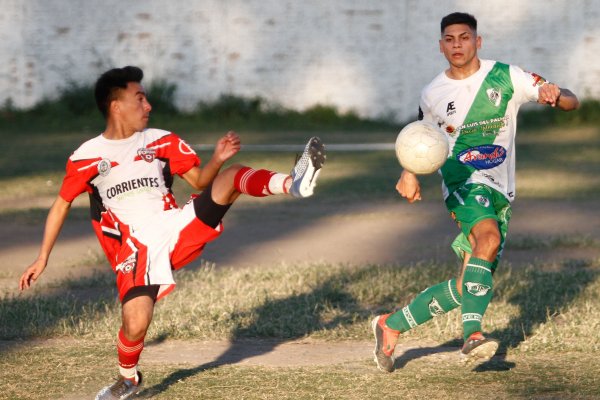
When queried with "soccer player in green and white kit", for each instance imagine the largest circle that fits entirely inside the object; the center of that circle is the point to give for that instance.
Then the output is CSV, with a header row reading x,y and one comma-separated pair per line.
x,y
476,103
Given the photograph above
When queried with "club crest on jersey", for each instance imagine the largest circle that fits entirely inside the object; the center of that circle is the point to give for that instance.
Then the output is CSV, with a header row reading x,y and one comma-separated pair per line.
x,y
483,157
482,200
147,155
104,167
128,265
495,96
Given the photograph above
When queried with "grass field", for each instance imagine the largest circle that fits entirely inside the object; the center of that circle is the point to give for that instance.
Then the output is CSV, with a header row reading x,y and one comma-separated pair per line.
x,y
60,342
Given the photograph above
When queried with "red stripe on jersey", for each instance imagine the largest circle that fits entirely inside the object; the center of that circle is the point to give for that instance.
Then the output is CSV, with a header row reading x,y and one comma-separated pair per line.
x,y
76,180
180,155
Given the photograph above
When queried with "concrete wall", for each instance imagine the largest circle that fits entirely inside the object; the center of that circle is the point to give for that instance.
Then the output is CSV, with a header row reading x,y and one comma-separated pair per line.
x,y
367,55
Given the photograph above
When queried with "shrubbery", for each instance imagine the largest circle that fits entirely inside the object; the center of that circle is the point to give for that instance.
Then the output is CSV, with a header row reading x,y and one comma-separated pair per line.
x,y
74,110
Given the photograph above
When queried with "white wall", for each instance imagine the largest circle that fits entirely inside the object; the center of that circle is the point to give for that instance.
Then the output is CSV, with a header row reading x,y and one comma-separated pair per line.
x,y
367,55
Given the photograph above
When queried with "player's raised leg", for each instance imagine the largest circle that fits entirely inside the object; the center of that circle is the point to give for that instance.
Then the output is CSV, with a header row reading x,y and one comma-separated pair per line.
x,y
239,179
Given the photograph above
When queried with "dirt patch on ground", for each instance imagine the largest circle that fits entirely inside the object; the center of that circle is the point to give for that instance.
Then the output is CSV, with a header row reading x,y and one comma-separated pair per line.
x,y
271,232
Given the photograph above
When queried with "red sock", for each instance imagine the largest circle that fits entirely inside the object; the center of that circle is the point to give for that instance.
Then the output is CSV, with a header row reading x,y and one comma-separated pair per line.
x,y
253,182
129,351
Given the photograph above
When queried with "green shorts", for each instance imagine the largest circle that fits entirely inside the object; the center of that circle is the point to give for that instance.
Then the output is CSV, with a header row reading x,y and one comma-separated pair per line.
x,y
472,203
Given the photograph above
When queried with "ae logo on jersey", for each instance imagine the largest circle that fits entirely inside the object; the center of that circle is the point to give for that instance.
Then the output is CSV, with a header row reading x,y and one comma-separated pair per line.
x,y
450,109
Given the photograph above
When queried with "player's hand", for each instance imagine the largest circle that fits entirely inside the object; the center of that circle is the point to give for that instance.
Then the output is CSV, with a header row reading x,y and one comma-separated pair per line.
x,y
228,146
31,274
409,187
548,93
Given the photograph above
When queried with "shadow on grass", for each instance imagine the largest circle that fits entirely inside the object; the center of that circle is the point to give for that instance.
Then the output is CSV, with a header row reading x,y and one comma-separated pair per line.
x,y
60,310
277,322
540,296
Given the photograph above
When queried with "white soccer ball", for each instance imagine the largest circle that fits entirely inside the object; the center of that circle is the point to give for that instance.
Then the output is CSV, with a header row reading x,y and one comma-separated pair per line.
x,y
421,148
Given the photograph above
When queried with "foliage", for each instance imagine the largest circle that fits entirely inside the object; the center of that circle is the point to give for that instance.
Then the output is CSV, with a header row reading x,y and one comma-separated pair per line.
x,y
74,110
588,113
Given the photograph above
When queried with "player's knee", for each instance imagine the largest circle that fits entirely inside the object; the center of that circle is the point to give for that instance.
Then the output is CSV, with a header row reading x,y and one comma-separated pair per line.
x,y
488,244
493,241
135,329
226,178
233,169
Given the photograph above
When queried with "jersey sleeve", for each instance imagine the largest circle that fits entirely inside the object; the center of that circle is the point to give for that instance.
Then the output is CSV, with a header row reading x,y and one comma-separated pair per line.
x,y
78,175
181,157
526,84
425,113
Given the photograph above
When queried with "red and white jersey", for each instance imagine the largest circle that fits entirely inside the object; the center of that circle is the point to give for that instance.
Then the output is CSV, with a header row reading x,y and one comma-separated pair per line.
x,y
130,178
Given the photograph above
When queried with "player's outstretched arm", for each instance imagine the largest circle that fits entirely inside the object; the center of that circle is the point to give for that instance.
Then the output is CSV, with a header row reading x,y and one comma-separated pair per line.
x,y
227,147
409,187
555,96
54,222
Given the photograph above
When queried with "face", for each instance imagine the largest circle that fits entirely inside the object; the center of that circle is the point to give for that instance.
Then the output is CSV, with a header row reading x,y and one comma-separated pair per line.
x,y
459,44
132,107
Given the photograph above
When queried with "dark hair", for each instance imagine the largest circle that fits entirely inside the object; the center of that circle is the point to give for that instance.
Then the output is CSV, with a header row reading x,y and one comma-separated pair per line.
x,y
459,18
110,82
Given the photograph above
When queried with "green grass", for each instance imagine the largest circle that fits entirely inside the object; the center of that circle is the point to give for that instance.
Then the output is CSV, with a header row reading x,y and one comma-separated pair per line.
x,y
541,310
545,315
549,166
547,322
68,372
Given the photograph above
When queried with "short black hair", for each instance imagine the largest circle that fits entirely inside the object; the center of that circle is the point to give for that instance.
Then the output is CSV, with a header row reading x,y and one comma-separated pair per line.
x,y
113,80
459,18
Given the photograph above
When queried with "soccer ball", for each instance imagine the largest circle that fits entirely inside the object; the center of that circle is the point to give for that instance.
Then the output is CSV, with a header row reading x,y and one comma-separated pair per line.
x,y
421,148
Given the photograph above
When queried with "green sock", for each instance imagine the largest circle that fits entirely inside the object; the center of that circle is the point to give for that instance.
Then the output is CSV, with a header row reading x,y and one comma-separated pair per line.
x,y
433,301
476,294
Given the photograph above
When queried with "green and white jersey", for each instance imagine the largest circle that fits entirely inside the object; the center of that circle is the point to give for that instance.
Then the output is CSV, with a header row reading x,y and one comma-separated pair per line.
x,y
479,115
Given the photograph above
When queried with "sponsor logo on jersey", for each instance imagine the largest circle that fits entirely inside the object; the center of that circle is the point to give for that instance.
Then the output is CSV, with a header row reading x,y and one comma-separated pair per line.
x,y
477,289
495,96
147,155
487,127
537,80
132,184
435,308
489,177
482,200
104,167
483,157
450,129
450,109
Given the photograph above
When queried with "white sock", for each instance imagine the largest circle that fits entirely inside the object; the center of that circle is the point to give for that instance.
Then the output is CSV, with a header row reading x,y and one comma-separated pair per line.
x,y
277,183
129,373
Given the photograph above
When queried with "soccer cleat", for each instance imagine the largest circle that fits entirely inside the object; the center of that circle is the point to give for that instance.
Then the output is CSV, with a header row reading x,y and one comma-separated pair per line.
x,y
307,168
385,342
478,349
121,389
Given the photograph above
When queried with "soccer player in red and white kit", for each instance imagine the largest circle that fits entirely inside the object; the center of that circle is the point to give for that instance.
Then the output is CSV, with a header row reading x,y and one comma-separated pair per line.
x,y
128,172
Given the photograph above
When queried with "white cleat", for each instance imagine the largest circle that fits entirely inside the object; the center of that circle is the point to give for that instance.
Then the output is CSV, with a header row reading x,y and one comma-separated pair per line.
x,y
121,389
307,169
